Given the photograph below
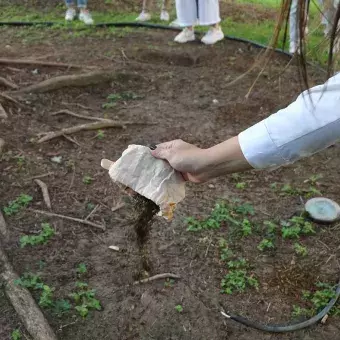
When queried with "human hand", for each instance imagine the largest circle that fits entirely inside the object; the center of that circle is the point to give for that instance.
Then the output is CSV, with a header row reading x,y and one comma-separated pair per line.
x,y
186,158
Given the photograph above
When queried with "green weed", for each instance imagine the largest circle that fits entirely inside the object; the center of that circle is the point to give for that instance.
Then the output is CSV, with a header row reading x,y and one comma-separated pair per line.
x,y
112,99
19,203
100,134
295,227
300,250
265,244
85,299
16,335
179,308
30,281
240,185
42,238
81,269
298,312
246,228
46,297
87,180
61,307
169,283
225,252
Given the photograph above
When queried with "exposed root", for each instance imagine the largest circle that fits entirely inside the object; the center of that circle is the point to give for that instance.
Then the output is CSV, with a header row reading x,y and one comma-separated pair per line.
x,y
74,80
91,224
6,98
73,114
23,303
102,124
3,227
5,61
158,277
3,113
2,145
7,83
44,190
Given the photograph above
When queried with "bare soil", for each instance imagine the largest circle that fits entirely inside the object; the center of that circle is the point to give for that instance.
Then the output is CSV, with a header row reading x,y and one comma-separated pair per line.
x,y
184,94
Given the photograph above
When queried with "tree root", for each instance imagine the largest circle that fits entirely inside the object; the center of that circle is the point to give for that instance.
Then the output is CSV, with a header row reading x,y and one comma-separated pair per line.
x,y
44,190
73,114
7,83
91,224
157,277
5,61
20,298
102,124
2,145
74,80
6,98
3,113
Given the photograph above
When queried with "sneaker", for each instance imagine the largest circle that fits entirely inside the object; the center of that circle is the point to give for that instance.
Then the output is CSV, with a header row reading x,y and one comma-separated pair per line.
x,y
213,36
175,23
165,16
70,14
144,16
86,17
185,36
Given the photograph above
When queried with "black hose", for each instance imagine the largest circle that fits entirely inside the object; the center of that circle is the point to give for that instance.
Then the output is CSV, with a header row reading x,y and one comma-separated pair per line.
x,y
287,328
139,24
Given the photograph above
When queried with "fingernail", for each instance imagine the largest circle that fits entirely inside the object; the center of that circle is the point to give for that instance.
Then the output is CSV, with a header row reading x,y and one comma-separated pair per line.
x,y
153,146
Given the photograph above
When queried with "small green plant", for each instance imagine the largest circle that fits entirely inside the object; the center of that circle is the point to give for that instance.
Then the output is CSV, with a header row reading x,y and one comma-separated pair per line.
x,y
85,299
312,191
81,269
100,134
225,251
46,297
42,238
19,203
179,308
244,209
16,335
20,161
246,228
90,206
87,180
169,283
31,281
295,227
298,311
61,307
313,180
113,98
241,185
265,244
288,190
300,250
271,227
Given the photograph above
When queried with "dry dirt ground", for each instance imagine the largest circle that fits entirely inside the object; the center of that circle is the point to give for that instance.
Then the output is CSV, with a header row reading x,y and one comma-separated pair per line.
x,y
180,92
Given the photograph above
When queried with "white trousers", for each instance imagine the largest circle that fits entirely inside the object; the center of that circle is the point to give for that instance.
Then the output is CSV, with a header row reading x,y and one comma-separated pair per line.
x,y
294,29
203,12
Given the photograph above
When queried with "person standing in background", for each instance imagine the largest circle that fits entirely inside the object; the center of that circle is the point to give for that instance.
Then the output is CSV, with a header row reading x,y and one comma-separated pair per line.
x,y
199,12
84,14
146,16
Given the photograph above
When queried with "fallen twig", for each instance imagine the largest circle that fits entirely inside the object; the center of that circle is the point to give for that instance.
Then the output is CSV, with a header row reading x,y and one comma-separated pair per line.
x,y
73,80
73,114
5,61
44,190
103,124
158,277
5,97
92,212
7,83
47,213
79,105
3,113
72,140
23,303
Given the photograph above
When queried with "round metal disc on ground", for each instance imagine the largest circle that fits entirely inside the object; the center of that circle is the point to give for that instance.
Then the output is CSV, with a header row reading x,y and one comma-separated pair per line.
x,y
323,209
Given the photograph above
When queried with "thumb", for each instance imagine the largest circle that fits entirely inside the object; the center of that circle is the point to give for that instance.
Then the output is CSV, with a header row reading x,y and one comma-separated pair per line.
x,y
161,153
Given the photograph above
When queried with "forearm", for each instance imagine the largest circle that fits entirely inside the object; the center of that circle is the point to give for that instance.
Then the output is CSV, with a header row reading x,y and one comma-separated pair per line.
x,y
225,158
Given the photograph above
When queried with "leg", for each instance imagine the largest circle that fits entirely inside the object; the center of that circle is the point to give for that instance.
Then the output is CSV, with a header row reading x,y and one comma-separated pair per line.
x,y
209,15
164,11
293,27
144,15
84,15
71,12
187,18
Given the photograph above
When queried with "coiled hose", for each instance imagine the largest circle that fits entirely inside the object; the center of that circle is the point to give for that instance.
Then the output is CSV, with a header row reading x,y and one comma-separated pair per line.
x,y
237,318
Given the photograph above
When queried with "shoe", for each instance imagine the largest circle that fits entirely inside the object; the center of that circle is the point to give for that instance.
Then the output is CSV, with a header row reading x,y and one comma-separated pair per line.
x,y
165,16
294,48
86,17
175,23
185,36
70,14
213,36
144,16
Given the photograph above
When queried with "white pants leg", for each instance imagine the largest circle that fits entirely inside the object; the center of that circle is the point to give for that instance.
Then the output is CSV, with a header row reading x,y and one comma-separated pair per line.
x,y
293,22
208,12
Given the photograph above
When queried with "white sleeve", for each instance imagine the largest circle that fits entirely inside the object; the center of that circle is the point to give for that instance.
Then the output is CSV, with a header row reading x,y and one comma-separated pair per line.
x,y
306,126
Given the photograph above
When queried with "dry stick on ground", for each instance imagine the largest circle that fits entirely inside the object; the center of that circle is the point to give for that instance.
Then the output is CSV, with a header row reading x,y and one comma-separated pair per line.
x,y
73,114
3,227
7,83
102,124
2,145
158,277
73,80
47,213
3,113
5,97
44,190
5,61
